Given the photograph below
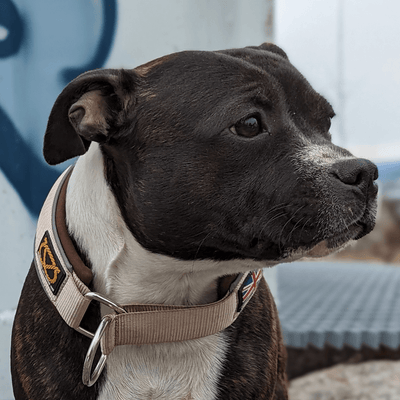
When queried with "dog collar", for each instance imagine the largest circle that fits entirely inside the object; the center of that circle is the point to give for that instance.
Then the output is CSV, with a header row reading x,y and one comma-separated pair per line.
x,y
65,277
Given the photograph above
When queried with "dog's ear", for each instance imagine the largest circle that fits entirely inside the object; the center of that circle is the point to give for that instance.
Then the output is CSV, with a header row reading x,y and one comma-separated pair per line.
x,y
86,110
273,49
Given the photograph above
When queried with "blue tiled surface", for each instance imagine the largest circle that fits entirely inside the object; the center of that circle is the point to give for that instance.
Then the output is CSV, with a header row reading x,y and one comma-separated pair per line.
x,y
339,303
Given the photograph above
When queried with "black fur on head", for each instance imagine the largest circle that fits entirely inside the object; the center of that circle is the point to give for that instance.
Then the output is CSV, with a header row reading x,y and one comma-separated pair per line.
x,y
219,155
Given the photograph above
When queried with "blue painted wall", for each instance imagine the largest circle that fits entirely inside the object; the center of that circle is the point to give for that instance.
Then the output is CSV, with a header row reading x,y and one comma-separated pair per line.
x,y
45,45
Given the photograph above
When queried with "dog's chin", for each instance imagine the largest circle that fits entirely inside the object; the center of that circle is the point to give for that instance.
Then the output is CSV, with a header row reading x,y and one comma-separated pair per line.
x,y
333,243
269,252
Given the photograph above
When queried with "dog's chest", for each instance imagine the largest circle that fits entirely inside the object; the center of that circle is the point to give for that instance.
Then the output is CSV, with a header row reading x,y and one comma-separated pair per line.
x,y
188,370
127,273
173,371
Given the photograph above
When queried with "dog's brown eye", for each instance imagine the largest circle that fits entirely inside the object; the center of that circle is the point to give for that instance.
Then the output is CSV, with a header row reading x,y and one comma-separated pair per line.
x,y
248,127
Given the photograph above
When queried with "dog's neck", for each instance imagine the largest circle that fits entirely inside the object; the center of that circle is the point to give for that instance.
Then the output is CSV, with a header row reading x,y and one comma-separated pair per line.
x,y
123,270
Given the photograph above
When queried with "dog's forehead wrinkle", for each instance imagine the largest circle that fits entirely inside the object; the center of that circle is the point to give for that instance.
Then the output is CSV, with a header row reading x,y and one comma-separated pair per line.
x,y
213,66
249,90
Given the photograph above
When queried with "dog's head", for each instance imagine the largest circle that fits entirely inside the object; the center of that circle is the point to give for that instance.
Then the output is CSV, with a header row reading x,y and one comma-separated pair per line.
x,y
218,155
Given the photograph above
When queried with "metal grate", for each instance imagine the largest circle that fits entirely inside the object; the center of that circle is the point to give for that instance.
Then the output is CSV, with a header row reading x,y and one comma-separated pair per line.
x,y
339,303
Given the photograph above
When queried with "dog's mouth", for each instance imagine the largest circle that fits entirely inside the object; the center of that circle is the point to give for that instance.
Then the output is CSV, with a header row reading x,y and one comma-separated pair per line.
x,y
314,244
309,243
353,232
339,240
336,242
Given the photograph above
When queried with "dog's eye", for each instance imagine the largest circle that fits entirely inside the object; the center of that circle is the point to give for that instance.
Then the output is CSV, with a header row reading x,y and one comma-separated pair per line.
x,y
248,127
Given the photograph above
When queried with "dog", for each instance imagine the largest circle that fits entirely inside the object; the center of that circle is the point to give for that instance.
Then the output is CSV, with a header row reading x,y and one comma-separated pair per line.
x,y
194,169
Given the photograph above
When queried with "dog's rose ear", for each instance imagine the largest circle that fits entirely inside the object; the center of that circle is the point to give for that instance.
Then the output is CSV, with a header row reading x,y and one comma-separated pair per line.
x,y
84,111
273,48
88,116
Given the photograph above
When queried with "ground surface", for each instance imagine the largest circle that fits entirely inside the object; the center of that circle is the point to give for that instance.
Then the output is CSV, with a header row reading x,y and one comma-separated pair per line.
x,y
373,380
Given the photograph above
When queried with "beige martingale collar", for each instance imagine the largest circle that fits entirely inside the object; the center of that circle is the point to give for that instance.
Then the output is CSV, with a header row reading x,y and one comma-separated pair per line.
x,y
65,279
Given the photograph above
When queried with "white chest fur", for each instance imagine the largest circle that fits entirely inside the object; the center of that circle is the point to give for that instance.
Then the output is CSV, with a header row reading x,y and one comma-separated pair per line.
x,y
127,273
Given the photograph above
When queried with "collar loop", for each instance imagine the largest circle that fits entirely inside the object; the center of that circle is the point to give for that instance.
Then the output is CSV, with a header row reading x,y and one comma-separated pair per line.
x,y
57,265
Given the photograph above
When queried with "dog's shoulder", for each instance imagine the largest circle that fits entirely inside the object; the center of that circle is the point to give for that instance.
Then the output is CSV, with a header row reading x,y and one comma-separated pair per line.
x,y
257,355
37,324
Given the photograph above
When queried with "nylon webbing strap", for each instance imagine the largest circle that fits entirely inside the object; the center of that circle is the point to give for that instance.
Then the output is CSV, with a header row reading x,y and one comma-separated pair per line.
x,y
149,324
141,324
56,275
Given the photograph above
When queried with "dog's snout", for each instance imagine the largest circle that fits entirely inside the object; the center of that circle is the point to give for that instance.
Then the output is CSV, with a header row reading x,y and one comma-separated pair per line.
x,y
356,172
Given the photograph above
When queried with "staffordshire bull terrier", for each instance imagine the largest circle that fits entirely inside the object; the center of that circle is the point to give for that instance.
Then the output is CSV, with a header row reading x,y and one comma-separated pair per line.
x,y
194,169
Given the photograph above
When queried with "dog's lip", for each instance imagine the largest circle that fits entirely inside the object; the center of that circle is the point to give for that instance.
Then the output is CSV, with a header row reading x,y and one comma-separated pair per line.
x,y
355,230
334,242
318,248
351,232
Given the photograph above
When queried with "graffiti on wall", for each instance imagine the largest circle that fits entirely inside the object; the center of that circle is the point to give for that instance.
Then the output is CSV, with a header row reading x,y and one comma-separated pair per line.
x,y
43,46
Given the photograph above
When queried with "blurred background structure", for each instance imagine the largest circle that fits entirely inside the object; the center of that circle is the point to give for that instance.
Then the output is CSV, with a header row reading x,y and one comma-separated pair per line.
x,y
348,50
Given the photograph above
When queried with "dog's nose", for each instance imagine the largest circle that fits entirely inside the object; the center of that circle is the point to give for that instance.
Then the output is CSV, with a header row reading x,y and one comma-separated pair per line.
x,y
357,172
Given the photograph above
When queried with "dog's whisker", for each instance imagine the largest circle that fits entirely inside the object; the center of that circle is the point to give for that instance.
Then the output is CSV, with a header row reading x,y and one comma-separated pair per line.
x,y
279,207
200,244
287,222
294,228
304,225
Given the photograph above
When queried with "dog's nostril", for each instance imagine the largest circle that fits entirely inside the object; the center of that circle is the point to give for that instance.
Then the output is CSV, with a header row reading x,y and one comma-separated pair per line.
x,y
349,177
355,172
254,243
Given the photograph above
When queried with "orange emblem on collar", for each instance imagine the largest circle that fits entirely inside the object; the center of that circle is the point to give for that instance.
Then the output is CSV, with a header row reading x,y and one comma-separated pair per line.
x,y
45,256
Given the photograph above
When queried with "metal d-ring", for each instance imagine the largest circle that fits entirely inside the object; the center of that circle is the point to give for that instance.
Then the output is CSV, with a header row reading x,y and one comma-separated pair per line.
x,y
89,379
